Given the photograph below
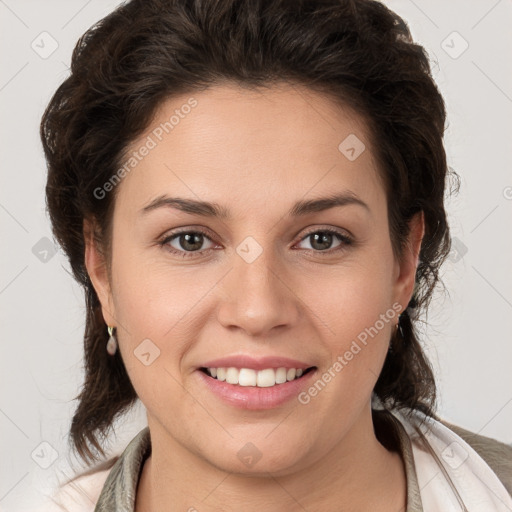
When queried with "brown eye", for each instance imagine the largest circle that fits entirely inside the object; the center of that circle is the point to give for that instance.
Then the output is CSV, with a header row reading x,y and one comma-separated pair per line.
x,y
322,240
186,243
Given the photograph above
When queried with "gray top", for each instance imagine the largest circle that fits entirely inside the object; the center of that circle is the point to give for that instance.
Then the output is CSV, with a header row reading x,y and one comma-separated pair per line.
x,y
119,489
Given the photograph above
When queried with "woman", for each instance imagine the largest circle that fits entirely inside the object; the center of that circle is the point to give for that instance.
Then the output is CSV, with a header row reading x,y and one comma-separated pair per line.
x,y
252,195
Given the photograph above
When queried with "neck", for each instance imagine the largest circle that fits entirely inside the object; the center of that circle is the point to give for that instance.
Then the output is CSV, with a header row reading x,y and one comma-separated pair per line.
x,y
358,472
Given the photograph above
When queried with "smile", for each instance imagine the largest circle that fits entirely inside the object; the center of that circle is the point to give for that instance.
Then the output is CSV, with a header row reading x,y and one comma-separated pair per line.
x,y
265,378
246,388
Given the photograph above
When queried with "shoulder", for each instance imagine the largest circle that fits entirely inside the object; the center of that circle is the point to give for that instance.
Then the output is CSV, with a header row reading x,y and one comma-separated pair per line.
x,y
81,493
496,454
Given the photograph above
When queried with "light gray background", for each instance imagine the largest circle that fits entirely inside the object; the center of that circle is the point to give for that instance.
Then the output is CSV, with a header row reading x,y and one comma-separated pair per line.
x,y
42,309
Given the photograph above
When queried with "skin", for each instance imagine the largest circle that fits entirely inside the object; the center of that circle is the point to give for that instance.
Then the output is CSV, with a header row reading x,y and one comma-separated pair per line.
x,y
257,153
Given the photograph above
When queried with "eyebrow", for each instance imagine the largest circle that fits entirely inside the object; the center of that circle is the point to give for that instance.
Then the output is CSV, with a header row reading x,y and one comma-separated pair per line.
x,y
212,209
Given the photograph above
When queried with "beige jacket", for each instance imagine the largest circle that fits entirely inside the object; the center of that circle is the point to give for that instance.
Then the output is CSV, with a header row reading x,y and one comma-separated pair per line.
x,y
113,488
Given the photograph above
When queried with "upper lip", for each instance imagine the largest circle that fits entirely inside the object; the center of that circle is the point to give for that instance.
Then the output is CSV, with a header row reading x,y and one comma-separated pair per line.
x,y
260,363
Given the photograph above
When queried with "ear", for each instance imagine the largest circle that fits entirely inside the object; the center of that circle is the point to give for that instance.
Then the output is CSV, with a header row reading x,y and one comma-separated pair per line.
x,y
97,270
405,275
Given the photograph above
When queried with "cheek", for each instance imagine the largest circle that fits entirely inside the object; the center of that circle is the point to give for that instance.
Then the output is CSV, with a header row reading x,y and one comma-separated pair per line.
x,y
160,309
361,320
356,310
351,298
150,296
152,309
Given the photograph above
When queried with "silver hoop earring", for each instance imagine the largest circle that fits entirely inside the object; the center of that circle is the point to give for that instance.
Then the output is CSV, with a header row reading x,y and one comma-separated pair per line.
x,y
112,342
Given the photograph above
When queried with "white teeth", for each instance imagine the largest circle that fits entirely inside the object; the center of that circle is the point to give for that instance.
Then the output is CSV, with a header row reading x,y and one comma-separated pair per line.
x,y
266,378
260,378
246,377
290,374
232,375
281,375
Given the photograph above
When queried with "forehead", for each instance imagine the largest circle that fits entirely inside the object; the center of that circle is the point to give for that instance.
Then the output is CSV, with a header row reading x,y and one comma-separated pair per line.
x,y
228,144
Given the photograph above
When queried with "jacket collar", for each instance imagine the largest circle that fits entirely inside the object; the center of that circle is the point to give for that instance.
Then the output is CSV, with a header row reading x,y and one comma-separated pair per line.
x,y
119,489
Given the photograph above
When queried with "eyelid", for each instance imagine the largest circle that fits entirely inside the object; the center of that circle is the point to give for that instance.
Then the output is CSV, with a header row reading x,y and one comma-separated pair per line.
x,y
338,231
173,234
345,239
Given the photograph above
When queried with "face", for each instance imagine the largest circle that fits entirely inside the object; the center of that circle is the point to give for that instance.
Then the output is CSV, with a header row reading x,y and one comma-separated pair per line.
x,y
269,278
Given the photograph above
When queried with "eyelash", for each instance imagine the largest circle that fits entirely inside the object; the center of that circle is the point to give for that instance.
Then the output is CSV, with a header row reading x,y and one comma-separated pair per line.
x,y
346,241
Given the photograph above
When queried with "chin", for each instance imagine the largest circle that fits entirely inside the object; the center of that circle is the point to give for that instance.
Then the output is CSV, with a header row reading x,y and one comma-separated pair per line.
x,y
257,457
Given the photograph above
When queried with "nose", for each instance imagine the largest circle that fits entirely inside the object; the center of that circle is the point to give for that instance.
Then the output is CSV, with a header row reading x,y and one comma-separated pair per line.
x,y
258,296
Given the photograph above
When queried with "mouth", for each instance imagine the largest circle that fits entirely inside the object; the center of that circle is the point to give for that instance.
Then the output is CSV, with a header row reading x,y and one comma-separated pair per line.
x,y
248,377
264,388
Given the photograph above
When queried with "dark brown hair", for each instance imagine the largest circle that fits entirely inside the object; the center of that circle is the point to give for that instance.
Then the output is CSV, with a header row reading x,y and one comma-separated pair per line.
x,y
146,51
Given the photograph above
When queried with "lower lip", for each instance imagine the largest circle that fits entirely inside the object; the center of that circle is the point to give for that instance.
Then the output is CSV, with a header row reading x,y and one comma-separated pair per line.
x,y
253,397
